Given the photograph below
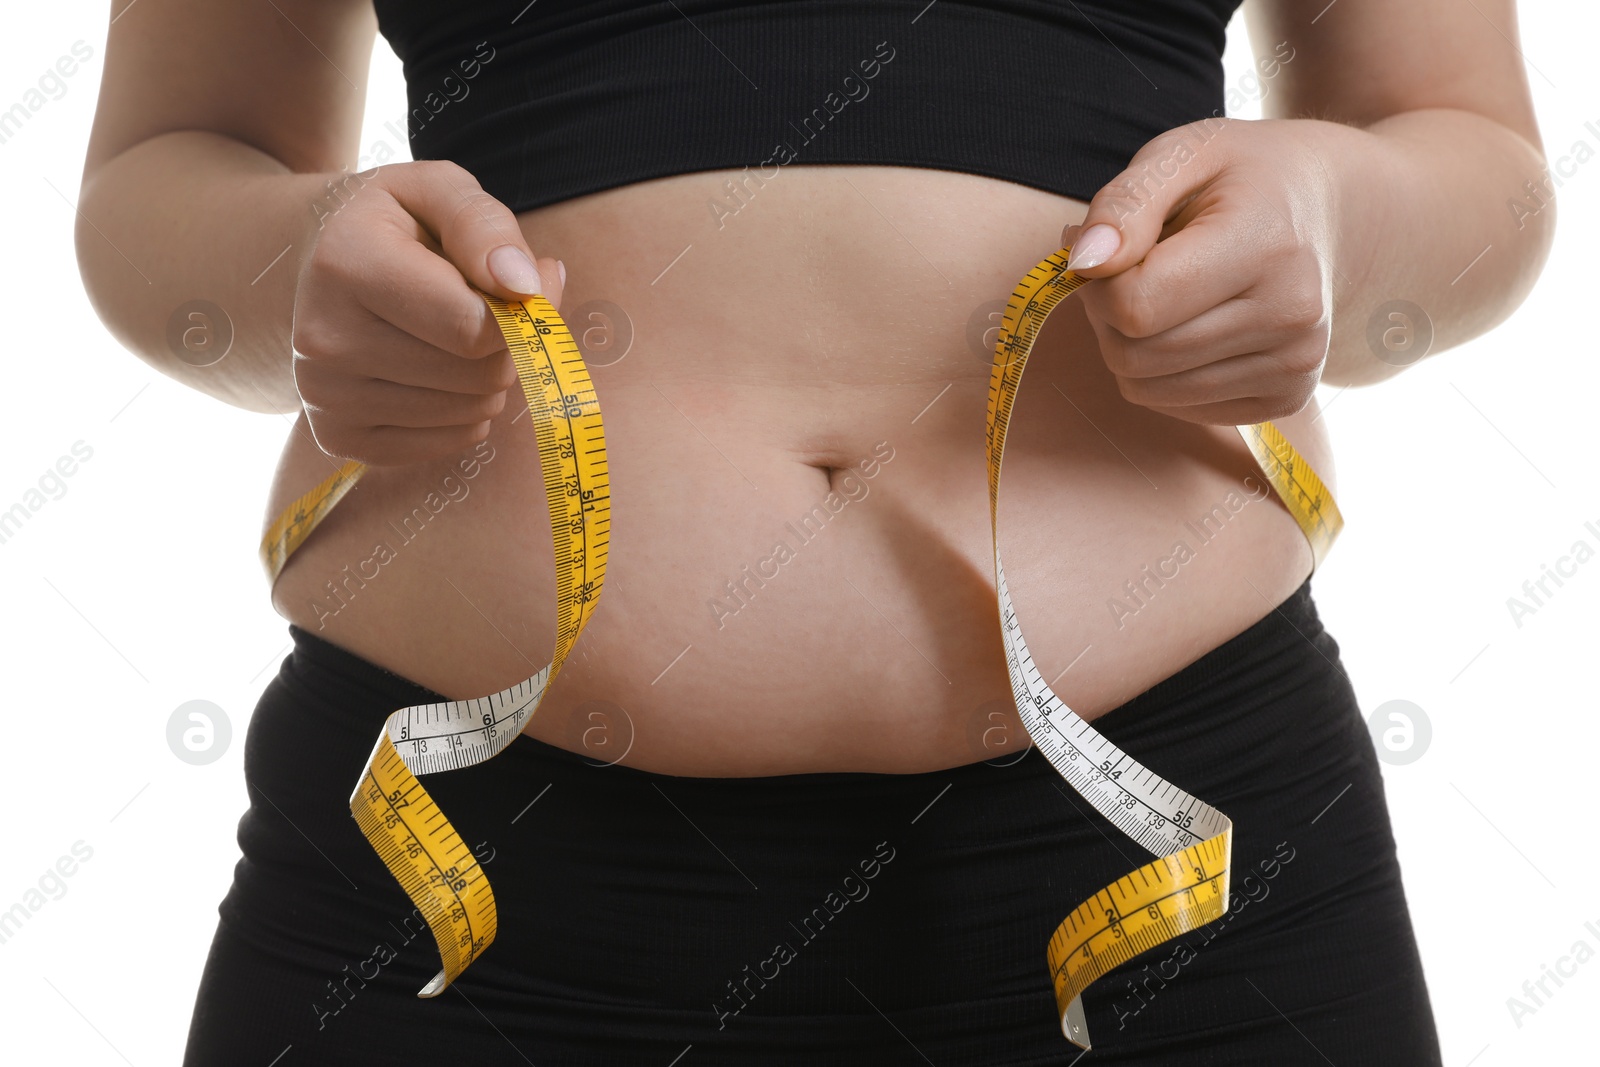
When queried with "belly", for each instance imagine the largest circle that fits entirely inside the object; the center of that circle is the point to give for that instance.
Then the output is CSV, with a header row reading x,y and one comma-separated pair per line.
x,y
800,574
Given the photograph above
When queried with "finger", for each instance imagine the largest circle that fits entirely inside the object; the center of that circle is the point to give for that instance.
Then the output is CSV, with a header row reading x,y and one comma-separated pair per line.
x,y
402,282
1183,277
1125,217
429,368
408,360
1234,327
406,406
1245,411
1235,378
410,285
478,233
551,270
390,446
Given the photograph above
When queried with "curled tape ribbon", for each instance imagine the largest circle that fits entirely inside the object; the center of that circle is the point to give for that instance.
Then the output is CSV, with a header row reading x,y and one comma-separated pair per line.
x,y
415,839
1187,885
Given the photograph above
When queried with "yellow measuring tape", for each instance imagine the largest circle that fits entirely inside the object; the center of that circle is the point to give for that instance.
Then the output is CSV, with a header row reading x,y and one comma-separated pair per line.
x,y
1185,887
415,839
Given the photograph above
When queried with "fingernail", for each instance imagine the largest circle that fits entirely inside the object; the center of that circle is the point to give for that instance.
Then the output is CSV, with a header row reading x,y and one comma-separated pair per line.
x,y
1095,245
561,269
514,270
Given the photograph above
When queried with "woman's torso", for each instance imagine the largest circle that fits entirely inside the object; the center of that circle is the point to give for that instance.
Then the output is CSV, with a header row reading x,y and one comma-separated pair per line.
x,y
827,324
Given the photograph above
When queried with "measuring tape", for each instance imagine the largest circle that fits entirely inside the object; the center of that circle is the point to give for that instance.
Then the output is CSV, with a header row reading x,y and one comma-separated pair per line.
x,y
415,839
1185,887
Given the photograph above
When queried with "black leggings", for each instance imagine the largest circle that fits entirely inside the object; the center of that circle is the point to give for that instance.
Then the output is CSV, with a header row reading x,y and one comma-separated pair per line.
x,y
836,918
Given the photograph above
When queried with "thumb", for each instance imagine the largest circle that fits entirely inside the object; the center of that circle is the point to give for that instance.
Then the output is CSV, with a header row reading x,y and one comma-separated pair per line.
x,y
1126,216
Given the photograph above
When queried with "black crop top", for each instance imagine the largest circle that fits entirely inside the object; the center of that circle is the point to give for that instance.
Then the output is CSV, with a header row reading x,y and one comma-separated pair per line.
x,y
549,100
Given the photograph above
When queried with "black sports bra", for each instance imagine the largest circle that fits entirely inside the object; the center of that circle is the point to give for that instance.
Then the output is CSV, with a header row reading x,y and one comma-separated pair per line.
x,y
547,100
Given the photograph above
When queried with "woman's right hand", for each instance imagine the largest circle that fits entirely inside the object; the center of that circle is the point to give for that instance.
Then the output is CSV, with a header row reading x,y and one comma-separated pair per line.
x,y
397,357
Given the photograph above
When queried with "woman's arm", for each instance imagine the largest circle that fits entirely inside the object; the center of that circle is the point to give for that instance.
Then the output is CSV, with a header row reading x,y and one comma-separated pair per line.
x,y
222,168
1381,211
1420,112
219,125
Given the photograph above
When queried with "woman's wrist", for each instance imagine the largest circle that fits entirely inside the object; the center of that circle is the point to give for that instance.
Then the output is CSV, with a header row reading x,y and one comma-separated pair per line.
x,y
1421,230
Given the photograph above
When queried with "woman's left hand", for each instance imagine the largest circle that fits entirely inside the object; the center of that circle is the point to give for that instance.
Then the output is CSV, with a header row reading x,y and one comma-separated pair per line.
x,y
1227,319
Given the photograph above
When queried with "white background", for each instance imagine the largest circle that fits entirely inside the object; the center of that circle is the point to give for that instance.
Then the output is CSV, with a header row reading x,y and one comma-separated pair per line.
x,y
1459,479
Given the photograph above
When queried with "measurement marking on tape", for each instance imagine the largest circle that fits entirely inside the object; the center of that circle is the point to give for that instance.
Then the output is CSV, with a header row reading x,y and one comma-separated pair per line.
x,y
1098,828
1112,919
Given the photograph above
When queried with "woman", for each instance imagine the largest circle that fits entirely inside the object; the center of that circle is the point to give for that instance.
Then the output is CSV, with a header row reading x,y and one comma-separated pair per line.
x,y
777,810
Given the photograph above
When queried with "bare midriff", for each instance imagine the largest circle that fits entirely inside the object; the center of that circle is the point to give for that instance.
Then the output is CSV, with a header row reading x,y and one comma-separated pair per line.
x,y
800,574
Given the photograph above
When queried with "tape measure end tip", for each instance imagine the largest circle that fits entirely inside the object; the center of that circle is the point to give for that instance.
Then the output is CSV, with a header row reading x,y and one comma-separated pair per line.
x,y
1074,1027
434,987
